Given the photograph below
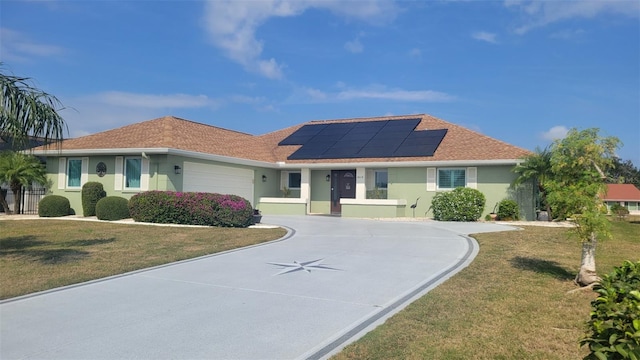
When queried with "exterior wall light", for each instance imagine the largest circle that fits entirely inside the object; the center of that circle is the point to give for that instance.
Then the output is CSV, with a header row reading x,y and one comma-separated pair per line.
x,y
177,169
264,178
328,177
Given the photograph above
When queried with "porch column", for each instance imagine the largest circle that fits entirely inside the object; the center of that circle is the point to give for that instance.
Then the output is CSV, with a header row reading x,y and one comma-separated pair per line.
x,y
361,187
305,184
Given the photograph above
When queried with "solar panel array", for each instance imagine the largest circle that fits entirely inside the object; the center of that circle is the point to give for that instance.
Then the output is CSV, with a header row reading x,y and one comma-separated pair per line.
x,y
364,139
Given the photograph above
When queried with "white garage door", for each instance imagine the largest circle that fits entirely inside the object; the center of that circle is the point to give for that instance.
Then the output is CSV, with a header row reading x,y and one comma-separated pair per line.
x,y
218,179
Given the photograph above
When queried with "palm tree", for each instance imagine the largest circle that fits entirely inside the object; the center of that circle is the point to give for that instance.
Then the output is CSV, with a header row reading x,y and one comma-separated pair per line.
x,y
27,112
536,167
19,170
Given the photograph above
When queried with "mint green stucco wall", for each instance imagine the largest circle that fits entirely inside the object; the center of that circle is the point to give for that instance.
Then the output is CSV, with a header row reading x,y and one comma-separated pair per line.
x,y
320,192
282,209
373,211
161,177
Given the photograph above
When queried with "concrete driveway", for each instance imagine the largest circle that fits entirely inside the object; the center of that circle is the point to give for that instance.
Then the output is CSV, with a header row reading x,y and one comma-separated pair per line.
x,y
306,296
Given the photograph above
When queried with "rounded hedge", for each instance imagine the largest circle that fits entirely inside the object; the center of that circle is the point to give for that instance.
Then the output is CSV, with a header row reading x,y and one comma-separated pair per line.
x,y
459,204
54,206
191,208
508,210
112,208
92,191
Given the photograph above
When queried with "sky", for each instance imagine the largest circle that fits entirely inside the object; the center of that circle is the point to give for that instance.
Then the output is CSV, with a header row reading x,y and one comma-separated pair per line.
x,y
523,72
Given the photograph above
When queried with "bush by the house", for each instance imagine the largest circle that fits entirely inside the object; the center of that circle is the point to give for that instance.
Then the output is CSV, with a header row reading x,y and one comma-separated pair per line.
x,y
92,191
460,204
619,210
191,208
54,206
112,208
614,327
508,210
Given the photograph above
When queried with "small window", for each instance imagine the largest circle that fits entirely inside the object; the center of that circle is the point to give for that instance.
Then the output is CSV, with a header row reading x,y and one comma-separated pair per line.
x,y
132,172
381,179
74,173
294,180
451,178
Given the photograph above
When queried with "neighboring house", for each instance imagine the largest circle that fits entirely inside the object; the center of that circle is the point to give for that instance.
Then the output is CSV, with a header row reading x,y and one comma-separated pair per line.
x,y
626,195
367,167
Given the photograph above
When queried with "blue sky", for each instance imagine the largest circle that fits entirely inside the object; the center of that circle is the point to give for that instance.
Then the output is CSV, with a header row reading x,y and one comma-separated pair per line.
x,y
520,71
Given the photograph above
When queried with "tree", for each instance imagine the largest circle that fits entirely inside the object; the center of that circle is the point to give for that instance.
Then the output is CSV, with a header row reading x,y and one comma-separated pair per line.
x,y
536,167
623,173
20,170
578,165
27,112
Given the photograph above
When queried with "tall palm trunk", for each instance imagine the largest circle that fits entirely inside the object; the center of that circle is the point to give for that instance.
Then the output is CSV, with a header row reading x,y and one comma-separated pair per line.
x,y
587,274
16,188
5,206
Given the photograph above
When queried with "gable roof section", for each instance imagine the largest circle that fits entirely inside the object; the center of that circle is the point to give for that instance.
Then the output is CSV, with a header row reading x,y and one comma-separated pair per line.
x,y
174,133
622,192
458,144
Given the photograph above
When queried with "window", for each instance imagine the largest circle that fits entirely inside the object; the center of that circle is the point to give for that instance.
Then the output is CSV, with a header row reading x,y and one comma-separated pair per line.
x,y
451,178
381,177
294,180
132,172
74,173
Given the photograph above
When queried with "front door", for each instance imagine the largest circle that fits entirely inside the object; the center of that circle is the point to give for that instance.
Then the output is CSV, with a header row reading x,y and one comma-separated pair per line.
x,y
343,186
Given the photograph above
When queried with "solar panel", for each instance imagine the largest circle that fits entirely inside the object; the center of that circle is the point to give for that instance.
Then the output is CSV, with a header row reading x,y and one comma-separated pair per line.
x,y
364,139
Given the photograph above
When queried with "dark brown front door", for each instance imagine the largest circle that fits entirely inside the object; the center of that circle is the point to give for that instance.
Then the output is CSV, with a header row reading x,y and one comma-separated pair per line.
x,y
343,186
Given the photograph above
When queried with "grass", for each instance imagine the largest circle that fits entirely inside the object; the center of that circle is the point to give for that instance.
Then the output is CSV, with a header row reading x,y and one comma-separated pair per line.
x,y
512,302
37,255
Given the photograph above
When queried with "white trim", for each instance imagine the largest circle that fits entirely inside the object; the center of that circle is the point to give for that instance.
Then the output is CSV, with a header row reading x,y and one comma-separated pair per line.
x,y
62,173
278,164
144,174
118,177
275,200
361,188
432,177
397,202
472,177
84,176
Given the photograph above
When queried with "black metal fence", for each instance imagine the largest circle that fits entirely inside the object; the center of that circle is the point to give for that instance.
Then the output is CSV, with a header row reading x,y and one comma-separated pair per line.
x,y
29,199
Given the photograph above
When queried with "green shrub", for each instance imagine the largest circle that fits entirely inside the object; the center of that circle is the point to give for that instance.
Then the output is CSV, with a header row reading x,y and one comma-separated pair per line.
x,y
619,210
191,208
508,210
614,327
54,206
460,204
92,191
112,208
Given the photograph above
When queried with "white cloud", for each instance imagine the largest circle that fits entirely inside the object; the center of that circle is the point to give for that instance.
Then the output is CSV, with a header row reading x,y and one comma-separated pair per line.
x,y
395,95
539,13
354,46
153,101
570,34
376,92
555,133
18,47
112,109
232,25
485,36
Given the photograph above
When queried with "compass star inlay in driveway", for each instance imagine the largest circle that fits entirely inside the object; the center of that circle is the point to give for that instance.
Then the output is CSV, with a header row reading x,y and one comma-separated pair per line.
x,y
303,266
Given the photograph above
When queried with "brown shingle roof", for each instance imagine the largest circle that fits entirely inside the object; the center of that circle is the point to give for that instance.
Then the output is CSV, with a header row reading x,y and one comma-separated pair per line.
x,y
622,192
459,143
175,133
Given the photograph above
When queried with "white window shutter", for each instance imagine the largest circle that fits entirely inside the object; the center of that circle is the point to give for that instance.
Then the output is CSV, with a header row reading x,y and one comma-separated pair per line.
x,y
370,177
62,173
472,177
117,185
144,175
84,176
284,179
431,179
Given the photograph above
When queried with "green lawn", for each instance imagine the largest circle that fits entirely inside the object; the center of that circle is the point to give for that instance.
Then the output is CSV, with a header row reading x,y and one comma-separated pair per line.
x,y
513,302
37,255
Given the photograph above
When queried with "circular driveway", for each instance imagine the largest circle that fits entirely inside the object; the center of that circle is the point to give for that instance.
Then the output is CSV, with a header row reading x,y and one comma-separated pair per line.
x,y
328,282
